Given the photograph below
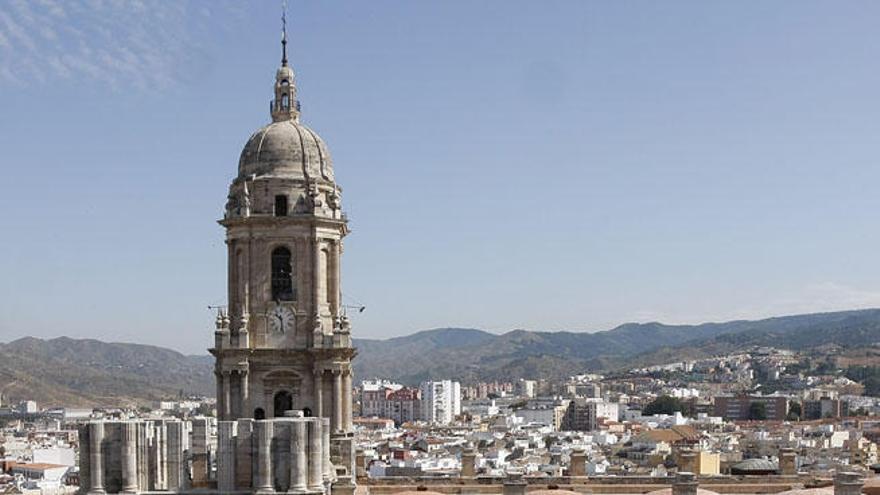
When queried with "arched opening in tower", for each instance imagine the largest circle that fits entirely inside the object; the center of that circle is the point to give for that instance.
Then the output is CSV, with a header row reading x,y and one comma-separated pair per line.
x,y
282,275
283,402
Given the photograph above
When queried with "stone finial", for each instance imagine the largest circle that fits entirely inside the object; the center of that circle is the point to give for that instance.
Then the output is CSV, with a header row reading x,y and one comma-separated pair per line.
x,y
577,465
848,483
687,461
468,462
685,484
514,484
787,462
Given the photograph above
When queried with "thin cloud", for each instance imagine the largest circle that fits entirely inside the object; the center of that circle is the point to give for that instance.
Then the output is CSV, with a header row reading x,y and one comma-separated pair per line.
x,y
142,45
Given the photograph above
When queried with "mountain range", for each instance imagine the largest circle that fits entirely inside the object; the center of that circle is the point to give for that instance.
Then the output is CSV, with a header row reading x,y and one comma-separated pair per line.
x,y
78,372
468,354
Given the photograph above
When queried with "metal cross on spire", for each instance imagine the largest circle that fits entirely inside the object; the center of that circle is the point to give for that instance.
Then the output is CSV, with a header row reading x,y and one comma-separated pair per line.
x,y
284,33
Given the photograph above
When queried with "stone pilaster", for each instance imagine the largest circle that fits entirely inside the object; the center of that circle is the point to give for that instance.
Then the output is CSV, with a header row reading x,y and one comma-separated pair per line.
x,y
218,382
319,391
227,395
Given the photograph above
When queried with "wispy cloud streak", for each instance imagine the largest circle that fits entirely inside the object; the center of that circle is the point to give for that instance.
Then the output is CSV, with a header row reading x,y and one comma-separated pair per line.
x,y
141,45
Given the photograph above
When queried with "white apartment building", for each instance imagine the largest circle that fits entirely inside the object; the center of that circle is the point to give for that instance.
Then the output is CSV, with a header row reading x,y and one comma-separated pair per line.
x,y
441,401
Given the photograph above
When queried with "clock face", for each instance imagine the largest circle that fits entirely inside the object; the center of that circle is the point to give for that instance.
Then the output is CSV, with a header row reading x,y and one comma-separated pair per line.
x,y
281,319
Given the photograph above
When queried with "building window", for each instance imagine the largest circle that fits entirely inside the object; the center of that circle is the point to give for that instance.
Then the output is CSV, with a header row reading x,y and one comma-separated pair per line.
x,y
281,205
285,82
259,413
282,275
285,101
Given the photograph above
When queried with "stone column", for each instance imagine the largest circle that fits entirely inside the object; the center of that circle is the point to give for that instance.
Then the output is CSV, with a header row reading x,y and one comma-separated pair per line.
x,y
129,457
264,430
337,400
96,475
325,449
685,484
316,458
298,457
848,483
176,462
226,456
346,400
319,392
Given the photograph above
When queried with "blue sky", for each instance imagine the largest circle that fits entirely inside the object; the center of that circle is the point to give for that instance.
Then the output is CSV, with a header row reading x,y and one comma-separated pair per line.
x,y
541,165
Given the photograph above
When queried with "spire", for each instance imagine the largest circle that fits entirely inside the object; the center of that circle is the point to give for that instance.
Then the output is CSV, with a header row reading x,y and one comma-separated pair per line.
x,y
284,33
285,105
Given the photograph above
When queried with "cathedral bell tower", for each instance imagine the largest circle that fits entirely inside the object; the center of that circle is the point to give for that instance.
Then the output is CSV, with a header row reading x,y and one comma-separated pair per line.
x,y
284,344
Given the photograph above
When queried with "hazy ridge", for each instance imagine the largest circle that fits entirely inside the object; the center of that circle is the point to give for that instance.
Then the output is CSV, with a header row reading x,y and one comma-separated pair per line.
x,y
84,372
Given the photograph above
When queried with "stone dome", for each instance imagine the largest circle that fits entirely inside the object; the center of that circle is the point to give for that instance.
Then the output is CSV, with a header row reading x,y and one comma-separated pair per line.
x,y
753,466
286,149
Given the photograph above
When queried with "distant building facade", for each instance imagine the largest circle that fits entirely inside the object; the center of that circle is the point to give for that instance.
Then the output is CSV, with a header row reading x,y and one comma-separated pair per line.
x,y
741,408
402,405
583,414
526,388
824,408
441,401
